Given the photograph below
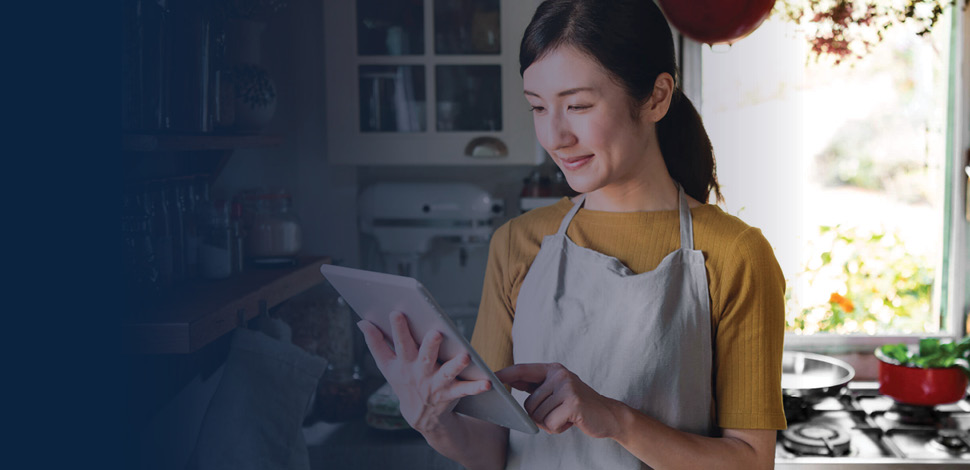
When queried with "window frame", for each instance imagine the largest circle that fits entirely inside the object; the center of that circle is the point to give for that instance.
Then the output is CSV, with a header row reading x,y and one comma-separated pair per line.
x,y
955,304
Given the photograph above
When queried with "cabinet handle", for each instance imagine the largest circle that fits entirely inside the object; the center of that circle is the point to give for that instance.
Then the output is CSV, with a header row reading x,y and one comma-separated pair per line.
x,y
486,147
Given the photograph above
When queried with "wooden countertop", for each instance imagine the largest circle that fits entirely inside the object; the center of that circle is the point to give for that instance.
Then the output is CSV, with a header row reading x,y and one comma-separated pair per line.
x,y
189,317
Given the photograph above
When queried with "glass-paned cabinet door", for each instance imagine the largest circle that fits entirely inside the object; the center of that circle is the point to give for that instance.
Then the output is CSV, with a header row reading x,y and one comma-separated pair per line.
x,y
393,27
468,97
427,82
392,98
467,27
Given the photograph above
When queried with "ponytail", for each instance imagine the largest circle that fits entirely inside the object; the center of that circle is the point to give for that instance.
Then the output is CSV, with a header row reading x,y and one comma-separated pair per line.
x,y
687,149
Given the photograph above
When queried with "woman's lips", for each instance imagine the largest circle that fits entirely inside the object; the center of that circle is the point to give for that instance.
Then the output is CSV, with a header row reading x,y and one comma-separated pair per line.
x,y
576,162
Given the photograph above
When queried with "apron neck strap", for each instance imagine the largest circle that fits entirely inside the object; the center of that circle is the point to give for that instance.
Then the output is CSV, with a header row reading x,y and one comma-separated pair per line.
x,y
686,227
572,212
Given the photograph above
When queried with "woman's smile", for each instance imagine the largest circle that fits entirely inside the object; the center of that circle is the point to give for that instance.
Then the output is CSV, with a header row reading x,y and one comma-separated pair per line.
x,y
575,163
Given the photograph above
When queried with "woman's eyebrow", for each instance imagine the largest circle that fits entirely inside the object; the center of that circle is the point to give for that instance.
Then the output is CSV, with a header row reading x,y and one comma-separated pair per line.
x,y
571,91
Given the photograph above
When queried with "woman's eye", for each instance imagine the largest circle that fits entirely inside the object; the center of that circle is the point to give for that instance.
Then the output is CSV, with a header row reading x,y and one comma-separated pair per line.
x,y
536,109
578,107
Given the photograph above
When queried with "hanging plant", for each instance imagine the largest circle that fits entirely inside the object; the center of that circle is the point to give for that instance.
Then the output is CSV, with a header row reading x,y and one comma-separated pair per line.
x,y
848,29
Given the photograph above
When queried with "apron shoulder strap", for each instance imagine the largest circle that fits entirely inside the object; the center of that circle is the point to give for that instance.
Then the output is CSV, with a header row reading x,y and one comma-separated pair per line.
x,y
569,215
686,225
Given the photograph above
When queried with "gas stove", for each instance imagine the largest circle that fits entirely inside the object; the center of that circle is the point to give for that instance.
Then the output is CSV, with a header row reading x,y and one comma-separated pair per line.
x,y
863,429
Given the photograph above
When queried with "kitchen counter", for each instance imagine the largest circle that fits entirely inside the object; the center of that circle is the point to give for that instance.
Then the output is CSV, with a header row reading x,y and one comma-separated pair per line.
x,y
355,445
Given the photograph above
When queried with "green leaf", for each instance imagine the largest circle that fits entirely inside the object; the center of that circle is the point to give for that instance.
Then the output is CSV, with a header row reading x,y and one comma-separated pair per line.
x,y
898,352
827,257
928,346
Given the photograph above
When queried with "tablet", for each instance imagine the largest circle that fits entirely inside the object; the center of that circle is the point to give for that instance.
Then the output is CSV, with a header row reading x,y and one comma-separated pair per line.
x,y
373,296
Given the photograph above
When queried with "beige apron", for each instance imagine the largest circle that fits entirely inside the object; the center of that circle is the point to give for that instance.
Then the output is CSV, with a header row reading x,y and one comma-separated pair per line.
x,y
644,339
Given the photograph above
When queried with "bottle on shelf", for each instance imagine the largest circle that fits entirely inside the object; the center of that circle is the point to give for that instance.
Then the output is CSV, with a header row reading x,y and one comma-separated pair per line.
x,y
190,225
161,233
176,211
215,255
237,237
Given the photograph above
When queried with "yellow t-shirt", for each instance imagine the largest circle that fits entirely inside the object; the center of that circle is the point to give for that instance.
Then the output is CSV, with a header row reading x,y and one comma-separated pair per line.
x,y
746,286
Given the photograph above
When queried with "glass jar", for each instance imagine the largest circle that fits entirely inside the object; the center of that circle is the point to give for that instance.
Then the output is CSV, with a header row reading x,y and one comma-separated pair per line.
x,y
274,235
340,394
215,255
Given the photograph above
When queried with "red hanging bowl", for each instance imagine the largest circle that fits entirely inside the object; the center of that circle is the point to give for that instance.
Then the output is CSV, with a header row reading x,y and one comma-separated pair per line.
x,y
716,21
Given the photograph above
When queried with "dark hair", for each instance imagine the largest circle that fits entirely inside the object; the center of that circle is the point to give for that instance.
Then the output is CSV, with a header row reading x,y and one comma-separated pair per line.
x,y
633,42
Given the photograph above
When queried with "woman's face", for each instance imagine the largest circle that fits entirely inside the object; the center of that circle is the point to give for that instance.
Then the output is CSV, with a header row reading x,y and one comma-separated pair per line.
x,y
582,118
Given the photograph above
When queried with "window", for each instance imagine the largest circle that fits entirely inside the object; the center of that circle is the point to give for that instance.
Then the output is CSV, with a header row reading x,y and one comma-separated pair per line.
x,y
844,168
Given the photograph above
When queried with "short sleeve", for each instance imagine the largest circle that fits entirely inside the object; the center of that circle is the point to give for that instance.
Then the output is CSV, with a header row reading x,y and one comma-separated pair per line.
x,y
492,336
749,336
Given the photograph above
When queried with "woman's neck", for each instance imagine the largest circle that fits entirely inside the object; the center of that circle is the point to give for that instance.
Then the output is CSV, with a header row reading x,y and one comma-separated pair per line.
x,y
652,190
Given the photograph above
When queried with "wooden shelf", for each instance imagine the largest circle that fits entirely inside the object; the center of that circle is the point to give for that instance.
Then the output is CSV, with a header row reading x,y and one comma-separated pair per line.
x,y
192,316
189,142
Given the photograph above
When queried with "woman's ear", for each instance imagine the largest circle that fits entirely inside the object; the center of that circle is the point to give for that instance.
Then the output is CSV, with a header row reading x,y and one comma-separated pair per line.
x,y
656,106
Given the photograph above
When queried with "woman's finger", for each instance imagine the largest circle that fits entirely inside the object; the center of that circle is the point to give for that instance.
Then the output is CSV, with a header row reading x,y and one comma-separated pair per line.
x,y
404,345
532,373
539,396
557,420
428,352
552,402
375,342
465,388
449,371
527,387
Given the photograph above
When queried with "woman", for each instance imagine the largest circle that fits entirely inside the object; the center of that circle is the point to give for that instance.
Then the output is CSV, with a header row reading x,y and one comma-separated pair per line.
x,y
637,324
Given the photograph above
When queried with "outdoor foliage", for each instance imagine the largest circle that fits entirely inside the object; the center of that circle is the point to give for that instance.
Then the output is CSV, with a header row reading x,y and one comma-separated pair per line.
x,y
861,282
849,29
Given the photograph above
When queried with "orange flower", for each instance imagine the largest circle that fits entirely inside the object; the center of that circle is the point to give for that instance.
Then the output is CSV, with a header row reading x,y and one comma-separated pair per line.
x,y
843,302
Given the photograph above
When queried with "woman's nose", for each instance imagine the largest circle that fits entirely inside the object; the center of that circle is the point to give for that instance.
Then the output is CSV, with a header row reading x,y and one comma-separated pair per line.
x,y
558,133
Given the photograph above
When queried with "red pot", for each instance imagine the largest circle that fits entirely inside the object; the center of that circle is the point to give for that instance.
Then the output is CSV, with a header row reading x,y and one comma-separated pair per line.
x,y
918,386
716,21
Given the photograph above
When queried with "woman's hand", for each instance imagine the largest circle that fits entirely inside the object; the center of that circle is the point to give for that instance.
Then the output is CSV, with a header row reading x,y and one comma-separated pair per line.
x,y
559,400
427,391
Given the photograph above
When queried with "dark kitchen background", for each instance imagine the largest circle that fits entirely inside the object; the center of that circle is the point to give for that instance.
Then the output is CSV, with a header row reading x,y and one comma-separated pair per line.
x,y
264,138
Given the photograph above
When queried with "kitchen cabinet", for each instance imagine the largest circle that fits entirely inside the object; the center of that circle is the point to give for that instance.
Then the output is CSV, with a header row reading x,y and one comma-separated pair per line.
x,y
427,82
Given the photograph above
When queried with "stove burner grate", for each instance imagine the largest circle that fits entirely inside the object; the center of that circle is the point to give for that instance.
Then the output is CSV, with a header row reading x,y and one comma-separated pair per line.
x,y
951,441
816,439
912,414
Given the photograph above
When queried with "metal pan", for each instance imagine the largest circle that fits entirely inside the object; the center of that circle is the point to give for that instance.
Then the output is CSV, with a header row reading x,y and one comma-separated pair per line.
x,y
813,376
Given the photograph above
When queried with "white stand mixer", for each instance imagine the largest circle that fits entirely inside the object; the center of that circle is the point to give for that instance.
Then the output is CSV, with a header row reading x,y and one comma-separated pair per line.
x,y
437,233
405,218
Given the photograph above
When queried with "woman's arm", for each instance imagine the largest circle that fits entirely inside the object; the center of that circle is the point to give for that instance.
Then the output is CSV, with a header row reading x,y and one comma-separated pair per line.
x,y
476,444
559,400
748,449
